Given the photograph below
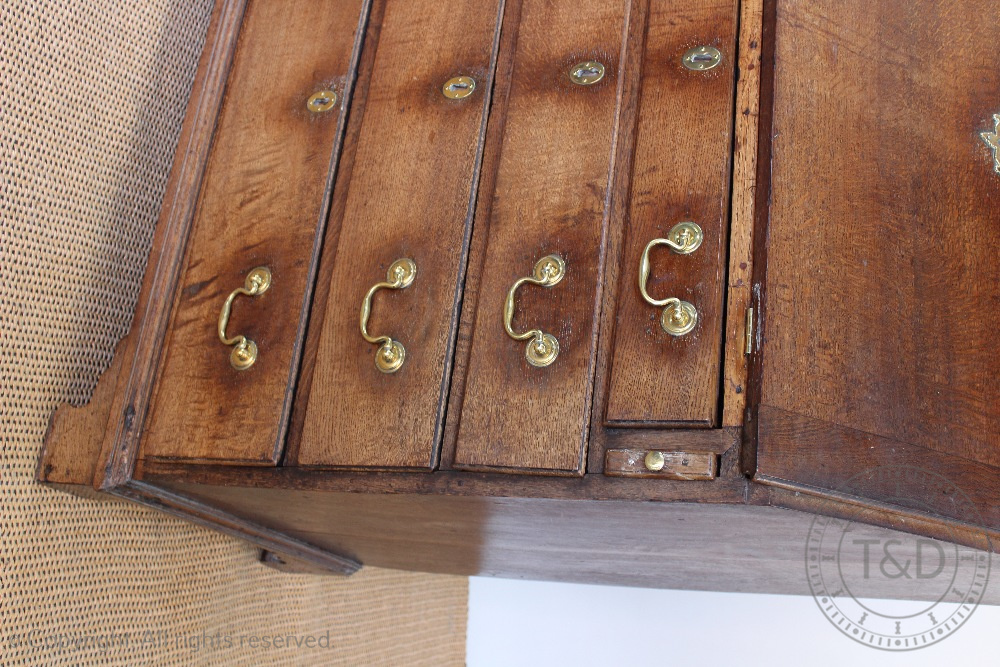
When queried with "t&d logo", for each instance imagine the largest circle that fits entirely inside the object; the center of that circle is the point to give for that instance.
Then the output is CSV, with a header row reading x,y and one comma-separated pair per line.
x,y
852,568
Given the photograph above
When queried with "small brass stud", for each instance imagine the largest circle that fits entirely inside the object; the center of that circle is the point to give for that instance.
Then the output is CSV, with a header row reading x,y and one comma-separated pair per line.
x,y
679,318
685,237
458,87
258,281
586,73
542,350
244,355
321,101
654,461
702,58
390,357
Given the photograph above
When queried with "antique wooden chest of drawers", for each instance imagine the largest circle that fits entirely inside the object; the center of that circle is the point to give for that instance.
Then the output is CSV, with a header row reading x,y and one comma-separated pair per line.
x,y
568,289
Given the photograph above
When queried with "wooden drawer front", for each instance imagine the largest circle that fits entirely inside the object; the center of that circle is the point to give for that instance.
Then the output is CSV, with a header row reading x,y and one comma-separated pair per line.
x,y
263,198
680,173
411,194
550,196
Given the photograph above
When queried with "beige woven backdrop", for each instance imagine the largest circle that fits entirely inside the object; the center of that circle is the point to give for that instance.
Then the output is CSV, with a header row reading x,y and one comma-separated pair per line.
x,y
92,93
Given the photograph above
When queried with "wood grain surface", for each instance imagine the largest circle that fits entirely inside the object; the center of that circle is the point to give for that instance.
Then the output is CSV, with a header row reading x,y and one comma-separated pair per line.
x,y
652,545
410,195
263,202
680,173
550,196
882,282
742,230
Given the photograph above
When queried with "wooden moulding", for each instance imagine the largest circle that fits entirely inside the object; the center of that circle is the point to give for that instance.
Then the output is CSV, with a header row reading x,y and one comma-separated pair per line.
x,y
96,446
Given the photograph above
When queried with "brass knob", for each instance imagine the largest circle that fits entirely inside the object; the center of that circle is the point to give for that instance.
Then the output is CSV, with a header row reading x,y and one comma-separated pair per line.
x,y
244,354
678,317
654,461
391,354
543,348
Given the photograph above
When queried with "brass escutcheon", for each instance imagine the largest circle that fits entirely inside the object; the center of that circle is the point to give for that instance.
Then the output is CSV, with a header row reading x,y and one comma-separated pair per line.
x,y
458,87
321,101
586,73
678,317
391,354
992,140
702,58
542,348
244,354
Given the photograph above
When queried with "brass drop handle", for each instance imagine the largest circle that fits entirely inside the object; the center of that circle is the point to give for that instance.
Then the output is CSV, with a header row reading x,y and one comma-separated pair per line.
x,y
678,317
543,348
244,353
391,353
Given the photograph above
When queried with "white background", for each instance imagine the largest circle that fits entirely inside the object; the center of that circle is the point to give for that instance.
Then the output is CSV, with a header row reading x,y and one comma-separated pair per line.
x,y
527,623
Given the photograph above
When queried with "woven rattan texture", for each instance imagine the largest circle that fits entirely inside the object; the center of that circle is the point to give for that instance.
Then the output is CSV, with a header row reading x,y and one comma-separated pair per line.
x,y
92,94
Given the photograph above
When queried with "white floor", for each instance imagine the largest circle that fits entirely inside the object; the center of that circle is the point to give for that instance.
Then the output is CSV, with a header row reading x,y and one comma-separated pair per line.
x,y
534,623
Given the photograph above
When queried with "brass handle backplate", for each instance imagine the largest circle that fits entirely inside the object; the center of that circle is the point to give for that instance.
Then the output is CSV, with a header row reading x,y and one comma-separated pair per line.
x,y
543,348
391,353
678,317
244,353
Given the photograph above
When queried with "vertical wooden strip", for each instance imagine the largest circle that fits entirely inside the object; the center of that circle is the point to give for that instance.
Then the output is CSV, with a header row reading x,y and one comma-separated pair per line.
x,y
410,195
551,196
681,173
139,352
263,202
741,228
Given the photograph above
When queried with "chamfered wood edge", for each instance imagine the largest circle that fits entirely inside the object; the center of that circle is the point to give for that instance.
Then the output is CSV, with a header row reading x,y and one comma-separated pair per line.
x,y
154,309
289,565
500,485
794,452
775,492
96,444
226,523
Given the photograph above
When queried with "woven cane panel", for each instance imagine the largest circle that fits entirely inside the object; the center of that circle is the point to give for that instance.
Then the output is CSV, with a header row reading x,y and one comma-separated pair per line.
x,y
92,94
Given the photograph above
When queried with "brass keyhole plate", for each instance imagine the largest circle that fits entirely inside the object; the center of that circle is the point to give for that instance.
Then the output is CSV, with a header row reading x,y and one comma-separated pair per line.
x,y
321,101
459,87
586,73
702,58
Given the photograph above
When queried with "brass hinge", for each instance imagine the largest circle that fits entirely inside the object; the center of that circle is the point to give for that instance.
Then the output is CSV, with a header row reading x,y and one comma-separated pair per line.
x,y
749,331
